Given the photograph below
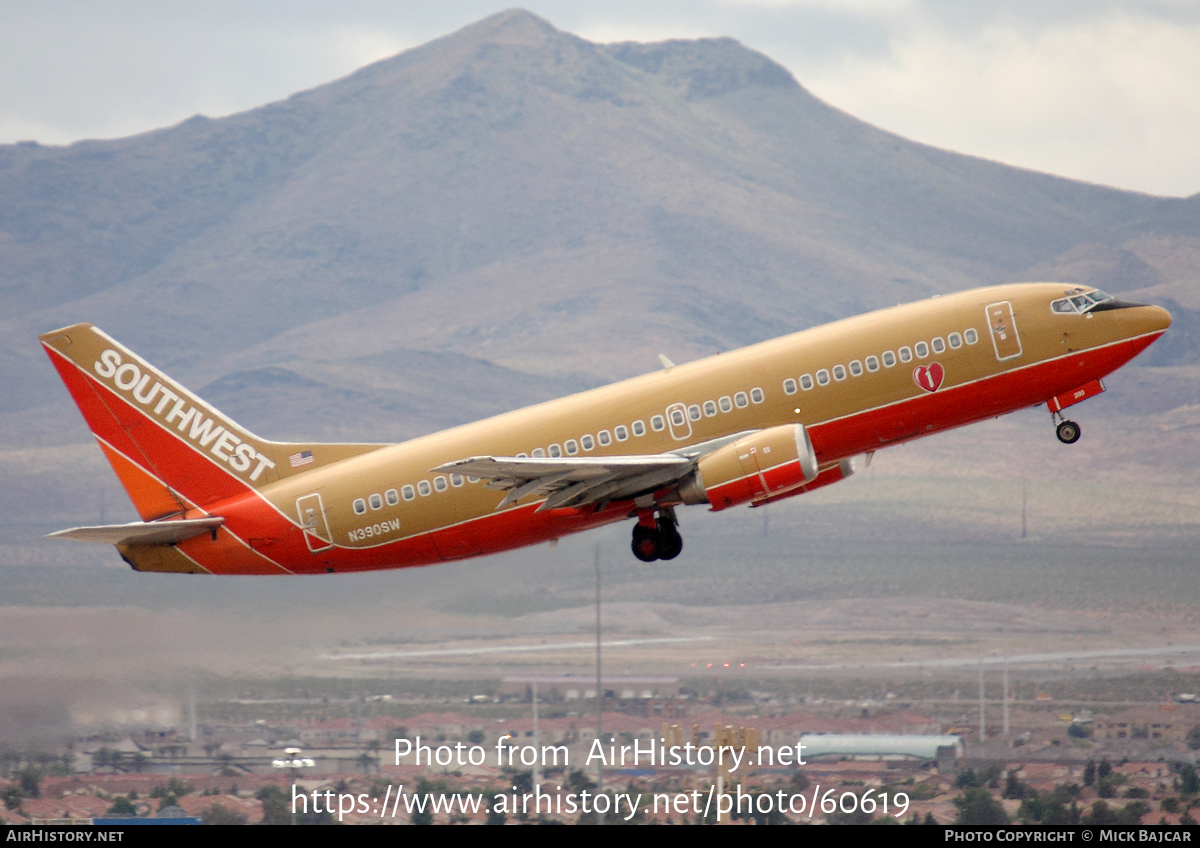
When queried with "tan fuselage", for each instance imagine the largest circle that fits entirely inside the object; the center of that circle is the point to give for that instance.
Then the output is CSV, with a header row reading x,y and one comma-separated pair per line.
x,y
856,385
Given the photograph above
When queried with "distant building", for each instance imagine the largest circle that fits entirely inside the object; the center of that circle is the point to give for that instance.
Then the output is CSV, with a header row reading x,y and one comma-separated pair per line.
x,y
881,746
1168,722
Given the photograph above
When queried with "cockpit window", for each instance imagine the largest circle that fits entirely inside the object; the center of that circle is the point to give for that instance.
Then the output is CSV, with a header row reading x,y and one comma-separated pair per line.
x,y
1079,301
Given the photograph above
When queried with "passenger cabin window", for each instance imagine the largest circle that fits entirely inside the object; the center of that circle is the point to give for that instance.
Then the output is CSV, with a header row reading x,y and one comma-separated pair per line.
x,y
970,336
604,438
456,480
710,408
588,442
376,502
555,451
789,386
741,400
756,395
409,493
823,377
905,354
639,429
439,483
393,497
806,381
856,368
955,340
889,358
938,345
572,447
726,403
839,372
423,488
922,349
539,452
694,412
872,363
657,423
676,418
522,456
360,506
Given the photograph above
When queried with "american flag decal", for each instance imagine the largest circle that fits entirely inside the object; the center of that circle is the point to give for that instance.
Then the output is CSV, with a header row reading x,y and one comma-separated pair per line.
x,y
302,458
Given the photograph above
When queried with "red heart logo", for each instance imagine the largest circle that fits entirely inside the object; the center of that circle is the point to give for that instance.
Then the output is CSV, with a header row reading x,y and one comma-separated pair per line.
x,y
929,377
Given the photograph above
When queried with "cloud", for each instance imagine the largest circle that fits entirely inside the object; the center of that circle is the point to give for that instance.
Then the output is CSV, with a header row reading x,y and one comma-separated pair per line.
x,y
1100,91
1109,100
93,74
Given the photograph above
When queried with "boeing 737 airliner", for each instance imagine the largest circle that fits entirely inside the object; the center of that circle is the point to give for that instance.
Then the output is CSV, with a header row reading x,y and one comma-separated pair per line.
x,y
750,427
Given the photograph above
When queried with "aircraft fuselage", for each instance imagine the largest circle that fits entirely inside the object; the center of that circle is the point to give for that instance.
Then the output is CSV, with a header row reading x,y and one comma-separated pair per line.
x,y
855,386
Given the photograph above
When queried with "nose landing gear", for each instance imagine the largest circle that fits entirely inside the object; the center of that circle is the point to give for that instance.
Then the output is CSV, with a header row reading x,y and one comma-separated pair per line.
x,y
1068,432
657,536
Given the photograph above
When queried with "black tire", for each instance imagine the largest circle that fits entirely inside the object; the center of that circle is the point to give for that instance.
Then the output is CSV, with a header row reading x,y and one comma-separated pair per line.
x,y
670,546
1068,432
645,543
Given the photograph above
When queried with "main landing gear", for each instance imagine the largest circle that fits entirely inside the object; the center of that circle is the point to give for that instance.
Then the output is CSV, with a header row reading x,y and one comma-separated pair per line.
x,y
657,536
1068,432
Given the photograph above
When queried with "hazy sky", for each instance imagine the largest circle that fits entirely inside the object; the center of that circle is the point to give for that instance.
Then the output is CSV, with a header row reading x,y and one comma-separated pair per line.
x,y
1095,90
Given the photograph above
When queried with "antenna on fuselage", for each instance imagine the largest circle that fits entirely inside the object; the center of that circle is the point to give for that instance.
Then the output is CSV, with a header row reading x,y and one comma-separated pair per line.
x,y
666,363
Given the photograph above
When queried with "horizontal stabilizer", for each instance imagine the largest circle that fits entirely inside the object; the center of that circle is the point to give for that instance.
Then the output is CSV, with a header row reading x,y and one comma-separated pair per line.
x,y
142,533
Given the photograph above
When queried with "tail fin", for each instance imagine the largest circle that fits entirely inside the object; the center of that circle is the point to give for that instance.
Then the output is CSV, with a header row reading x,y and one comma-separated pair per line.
x,y
171,450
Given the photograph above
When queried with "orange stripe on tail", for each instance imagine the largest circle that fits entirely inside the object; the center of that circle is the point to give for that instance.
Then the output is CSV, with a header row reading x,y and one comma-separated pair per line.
x,y
151,497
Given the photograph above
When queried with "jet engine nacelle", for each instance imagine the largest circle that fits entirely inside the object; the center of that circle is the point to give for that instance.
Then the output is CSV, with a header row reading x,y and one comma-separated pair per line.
x,y
832,474
754,468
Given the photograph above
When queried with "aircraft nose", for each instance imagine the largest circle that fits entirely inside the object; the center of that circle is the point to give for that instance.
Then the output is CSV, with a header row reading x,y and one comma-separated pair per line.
x,y
1158,317
1146,323
1138,319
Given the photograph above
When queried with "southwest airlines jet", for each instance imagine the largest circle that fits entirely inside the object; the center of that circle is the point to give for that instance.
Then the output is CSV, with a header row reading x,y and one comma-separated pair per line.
x,y
749,427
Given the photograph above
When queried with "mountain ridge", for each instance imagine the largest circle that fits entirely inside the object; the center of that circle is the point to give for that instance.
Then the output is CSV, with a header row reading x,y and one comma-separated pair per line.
x,y
519,195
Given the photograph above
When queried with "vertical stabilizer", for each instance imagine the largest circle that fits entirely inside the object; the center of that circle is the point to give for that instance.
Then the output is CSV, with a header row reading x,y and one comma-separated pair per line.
x,y
169,448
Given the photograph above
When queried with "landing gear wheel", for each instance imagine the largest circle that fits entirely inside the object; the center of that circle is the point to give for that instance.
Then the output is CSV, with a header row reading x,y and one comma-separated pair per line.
x,y
646,543
669,544
1068,432
662,541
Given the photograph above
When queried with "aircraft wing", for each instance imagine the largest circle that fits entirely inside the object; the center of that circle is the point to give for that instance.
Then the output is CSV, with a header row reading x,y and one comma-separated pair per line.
x,y
580,481
142,533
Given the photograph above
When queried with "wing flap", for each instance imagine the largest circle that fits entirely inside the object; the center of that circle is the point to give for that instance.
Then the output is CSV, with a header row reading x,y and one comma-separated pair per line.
x,y
142,533
577,468
572,481
578,481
